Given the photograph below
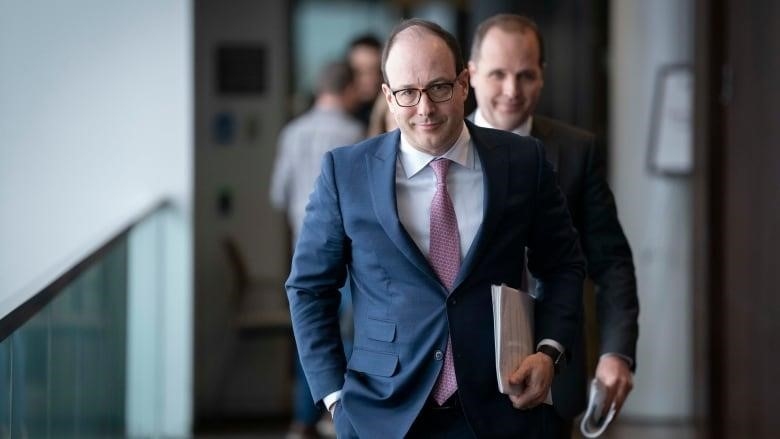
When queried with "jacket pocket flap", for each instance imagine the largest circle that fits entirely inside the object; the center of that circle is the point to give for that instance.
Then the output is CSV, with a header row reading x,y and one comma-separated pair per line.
x,y
373,363
380,330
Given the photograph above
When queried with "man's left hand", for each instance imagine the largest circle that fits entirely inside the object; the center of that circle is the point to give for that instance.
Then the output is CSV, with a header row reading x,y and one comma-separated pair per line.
x,y
614,372
535,375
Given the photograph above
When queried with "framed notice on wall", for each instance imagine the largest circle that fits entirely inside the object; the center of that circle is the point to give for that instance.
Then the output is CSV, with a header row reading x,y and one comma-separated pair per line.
x,y
241,69
670,149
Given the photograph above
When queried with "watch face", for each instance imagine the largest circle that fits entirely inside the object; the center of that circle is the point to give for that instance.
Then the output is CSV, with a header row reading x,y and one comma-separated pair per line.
x,y
553,353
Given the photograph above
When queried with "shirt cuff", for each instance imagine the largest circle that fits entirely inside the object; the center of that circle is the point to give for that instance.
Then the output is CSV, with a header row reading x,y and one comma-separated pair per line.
x,y
625,358
553,343
331,399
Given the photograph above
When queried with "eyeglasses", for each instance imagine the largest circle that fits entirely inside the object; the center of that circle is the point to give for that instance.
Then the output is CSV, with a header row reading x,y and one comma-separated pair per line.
x,y
409,97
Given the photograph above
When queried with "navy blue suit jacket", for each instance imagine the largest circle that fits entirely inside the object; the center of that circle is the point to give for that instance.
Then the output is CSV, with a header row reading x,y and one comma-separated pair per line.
x,y
402,313
581,170
580,165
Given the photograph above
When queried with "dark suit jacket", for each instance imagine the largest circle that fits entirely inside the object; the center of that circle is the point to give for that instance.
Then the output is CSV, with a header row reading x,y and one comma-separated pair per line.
x,y
402,313
581,173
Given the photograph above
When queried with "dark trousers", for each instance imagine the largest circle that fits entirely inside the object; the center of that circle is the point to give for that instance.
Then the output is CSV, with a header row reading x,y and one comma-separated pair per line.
x,y
558,427
566,429
449,422
445,421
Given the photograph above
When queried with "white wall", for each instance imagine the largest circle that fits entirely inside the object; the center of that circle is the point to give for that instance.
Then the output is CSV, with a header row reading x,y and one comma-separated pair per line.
x,y
95,112
655,211
95,129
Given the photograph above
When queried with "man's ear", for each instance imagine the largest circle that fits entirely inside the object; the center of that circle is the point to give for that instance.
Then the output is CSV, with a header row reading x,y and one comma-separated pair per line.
x,y
464,79
472,72
388,95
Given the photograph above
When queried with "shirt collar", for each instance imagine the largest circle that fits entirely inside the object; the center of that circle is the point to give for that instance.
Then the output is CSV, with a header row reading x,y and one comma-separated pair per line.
x,y
523,130
413,160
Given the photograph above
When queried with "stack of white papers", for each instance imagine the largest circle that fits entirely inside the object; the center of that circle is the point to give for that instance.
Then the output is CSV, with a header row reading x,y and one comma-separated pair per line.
x,y
513,330
595,420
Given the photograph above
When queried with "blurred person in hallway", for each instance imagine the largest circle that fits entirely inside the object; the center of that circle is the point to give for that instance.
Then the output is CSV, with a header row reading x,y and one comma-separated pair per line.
x,y
365,56
405,218
304,140
381,120
507,73
302,143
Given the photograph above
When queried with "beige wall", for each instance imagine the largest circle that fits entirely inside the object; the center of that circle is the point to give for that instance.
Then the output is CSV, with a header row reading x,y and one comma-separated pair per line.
x,y
656,211
233,375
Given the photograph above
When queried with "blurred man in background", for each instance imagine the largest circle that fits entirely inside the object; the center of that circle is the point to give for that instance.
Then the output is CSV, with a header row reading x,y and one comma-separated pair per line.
x,y
302,143
507,74
304,140
365,57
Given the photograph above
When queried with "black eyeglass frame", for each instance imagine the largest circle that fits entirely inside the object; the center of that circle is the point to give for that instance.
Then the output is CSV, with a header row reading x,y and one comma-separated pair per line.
x,y
425,90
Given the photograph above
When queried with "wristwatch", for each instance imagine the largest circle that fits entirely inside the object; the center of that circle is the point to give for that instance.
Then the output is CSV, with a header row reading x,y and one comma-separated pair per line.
x,y
555,354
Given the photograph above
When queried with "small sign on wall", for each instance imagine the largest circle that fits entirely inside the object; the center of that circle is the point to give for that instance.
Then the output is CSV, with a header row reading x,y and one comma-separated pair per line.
x,y
670,151
224,128
241,69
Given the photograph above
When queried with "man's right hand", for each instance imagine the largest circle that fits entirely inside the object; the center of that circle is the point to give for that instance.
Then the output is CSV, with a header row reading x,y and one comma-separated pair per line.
x,y
616,375
535,376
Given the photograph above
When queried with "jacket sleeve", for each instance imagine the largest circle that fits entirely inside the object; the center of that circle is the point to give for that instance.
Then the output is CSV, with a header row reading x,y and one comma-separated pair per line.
x,y
610,263
318,271
555,260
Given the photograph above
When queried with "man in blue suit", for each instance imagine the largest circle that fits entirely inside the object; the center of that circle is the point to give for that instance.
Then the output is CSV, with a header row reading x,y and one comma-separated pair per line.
x,y
425,219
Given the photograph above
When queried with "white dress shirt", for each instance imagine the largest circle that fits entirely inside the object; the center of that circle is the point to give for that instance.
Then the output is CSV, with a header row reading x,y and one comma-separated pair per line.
x,y
523,130
415,185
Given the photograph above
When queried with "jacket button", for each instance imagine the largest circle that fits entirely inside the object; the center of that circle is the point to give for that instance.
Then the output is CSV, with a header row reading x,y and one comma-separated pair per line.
x,y
438,355
453,301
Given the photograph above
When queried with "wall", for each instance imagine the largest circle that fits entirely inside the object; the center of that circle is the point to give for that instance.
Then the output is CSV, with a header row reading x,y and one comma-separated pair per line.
x,y
95,129
738,189
340,21
656,211
235,137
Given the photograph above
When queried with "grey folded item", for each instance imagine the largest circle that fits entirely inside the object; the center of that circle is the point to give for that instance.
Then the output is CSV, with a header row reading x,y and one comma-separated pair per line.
x,y
596,418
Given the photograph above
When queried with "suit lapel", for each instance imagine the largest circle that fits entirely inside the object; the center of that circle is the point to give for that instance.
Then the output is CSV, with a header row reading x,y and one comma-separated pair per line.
x,y
381,175
495,172
542,131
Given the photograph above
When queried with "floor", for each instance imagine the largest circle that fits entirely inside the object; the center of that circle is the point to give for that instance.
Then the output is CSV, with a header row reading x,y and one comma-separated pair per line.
x,y
645,430
276,429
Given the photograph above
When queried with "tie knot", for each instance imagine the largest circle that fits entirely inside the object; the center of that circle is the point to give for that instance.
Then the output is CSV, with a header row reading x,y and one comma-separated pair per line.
x,y
440,167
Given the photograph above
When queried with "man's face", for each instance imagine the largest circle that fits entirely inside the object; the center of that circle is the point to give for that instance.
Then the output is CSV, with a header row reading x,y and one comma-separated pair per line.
x,y
366,62
507,77
420,60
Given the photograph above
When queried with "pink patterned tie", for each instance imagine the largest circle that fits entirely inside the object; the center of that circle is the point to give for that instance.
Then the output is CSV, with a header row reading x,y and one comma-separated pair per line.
x,y
444,257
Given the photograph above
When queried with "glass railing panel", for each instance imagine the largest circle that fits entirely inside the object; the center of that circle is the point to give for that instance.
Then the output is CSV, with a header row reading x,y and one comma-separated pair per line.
x,y
30,380
5,388
75,369
87,351
104,297
65,377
